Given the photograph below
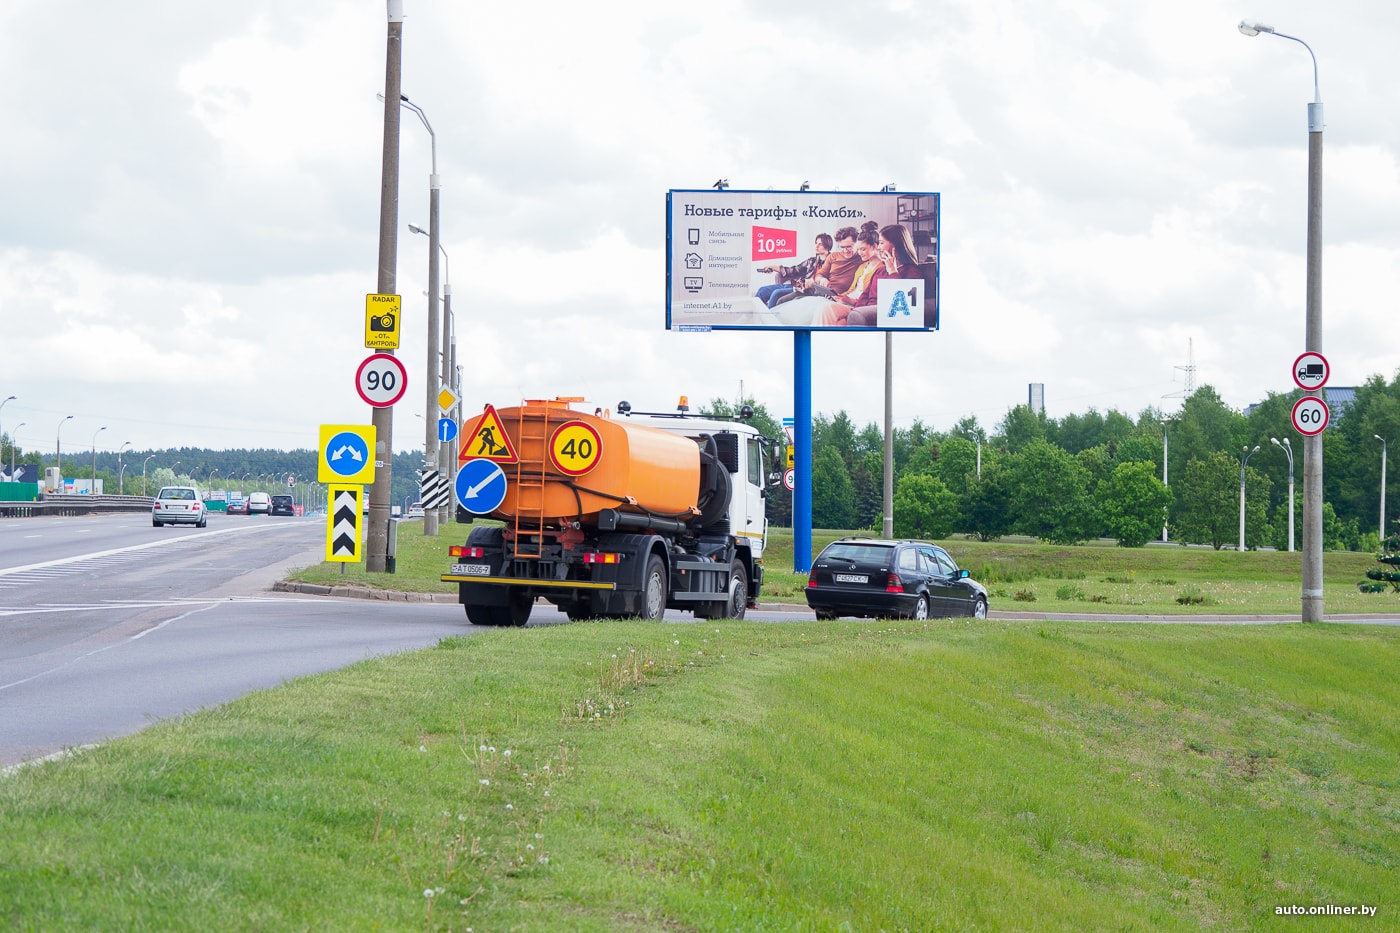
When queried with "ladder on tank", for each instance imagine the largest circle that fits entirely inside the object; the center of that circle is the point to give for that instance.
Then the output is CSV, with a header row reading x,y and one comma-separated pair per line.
x,y
532,439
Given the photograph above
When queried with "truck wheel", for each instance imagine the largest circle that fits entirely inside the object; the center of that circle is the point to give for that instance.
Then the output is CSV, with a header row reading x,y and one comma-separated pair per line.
x,y
738,591
516,611
480,615
654,590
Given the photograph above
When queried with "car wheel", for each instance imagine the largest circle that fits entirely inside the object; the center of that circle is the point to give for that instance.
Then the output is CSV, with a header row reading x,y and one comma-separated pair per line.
x,y
154,523
920,608
654,590
979,608
738,591
202,523
826,615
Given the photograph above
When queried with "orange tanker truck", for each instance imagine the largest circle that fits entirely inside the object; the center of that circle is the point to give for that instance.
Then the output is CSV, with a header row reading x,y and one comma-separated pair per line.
x,y
609,516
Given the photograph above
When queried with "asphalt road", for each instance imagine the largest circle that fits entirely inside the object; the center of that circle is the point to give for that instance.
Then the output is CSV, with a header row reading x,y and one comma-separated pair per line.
x,y
108,624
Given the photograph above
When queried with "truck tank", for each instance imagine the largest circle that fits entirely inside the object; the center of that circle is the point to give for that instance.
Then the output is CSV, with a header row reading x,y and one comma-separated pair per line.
x,y
636,469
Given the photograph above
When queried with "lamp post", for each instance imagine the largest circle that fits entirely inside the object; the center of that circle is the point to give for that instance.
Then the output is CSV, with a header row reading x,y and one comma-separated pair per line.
x,y
430,380
12,440
92,489
13,431
1384,445
444,459
58,448
210,479
377,531
1287,448
174,471
1164,477
1244,462
121,467
1312,446
143,473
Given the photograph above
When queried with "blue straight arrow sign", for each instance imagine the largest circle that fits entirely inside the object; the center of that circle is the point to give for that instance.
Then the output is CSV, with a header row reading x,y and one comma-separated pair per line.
x,y
447,429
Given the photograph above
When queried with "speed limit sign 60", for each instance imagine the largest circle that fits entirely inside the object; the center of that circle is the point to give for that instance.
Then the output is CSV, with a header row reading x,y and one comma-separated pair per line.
x,y
381,380
1310,415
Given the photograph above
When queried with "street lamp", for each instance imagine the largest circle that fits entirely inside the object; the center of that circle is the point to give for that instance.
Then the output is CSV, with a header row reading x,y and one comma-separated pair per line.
x,y
1312,446
92,489
174,471
121,467
143,473
13,431
435,330
1384,445
58,448
1247,454
1287,448
445,460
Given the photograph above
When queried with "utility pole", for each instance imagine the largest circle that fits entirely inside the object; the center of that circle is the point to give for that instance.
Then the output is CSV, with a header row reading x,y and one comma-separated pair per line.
x,y
377,535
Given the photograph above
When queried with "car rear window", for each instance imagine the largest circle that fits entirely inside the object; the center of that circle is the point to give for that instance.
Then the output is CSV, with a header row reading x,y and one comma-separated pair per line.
x,y
861,553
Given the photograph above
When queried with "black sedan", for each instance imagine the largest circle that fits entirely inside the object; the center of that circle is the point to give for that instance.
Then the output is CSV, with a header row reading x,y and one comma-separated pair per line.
x,y
906,579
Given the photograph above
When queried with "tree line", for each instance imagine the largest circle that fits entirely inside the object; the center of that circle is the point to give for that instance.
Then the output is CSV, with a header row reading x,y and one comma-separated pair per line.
x,y
1099,475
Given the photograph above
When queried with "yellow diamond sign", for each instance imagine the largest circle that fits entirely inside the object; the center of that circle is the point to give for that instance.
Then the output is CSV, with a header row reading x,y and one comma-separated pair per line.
x,y
447,399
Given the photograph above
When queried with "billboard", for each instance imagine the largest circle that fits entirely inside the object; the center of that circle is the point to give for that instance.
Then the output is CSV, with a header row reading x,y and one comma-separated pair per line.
x,y
801,260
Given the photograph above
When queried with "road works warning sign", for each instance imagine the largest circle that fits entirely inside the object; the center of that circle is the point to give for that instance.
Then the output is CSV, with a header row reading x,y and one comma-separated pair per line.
x,y
484,438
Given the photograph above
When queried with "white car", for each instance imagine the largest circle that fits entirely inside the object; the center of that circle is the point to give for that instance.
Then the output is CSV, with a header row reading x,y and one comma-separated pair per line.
x,y
176,505
415,511
259,503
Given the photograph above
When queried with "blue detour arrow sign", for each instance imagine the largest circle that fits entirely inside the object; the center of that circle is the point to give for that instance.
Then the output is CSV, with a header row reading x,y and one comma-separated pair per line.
x,y
481,486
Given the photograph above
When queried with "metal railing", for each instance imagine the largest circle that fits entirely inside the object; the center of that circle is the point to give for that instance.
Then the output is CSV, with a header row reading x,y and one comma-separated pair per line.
x,y
75,505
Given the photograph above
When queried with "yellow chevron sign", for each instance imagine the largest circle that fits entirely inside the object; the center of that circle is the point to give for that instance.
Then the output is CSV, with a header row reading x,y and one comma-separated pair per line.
x,y
343,523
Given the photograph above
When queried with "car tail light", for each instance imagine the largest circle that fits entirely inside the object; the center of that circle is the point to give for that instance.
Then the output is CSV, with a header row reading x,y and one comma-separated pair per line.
x,y
461,550
894,585
598,557
812,578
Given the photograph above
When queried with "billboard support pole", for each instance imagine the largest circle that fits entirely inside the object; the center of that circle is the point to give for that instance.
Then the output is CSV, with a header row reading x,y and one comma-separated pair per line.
x,y
802,453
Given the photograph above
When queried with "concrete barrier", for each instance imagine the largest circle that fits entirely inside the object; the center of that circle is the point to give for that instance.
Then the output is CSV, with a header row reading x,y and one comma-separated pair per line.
x,y
75,505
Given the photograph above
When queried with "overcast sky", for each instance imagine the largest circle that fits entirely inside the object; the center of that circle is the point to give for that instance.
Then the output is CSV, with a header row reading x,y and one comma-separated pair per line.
x,y
191,201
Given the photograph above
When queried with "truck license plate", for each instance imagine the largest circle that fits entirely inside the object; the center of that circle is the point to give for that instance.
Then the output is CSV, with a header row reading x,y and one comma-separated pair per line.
x,y
852,578
471,570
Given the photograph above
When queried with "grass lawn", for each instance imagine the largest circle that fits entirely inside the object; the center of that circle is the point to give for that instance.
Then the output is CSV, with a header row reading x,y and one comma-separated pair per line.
x,y
1019,574
747,776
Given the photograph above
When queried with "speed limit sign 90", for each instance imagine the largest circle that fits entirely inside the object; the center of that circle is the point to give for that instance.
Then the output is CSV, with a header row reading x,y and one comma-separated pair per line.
x,y
381,380
1310,415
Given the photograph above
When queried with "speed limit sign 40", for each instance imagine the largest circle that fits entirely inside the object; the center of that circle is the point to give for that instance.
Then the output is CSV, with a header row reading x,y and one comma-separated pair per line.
x,y
381,380
1310,415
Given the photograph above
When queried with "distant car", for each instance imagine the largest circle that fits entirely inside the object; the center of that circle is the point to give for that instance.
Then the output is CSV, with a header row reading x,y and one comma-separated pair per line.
x,y
179,505
415,510
238,506
283,505
259,504
908,579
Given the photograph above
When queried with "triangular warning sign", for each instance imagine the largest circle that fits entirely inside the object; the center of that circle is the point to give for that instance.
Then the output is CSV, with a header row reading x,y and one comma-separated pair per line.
x,y
485,438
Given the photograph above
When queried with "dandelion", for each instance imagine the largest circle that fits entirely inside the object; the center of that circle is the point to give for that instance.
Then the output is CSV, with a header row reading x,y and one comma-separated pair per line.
x,y
546,793
543,860
428,892
676,642
529,847
506,753
492,749
485,782
422,748
483,748
539,835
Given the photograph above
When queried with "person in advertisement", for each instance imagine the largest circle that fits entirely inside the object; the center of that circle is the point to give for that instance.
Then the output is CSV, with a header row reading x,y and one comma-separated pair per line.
x,y
789,278
861,293
897,260
835,274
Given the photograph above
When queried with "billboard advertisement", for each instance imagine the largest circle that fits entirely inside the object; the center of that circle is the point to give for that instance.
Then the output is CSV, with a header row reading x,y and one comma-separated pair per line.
x,y
801,260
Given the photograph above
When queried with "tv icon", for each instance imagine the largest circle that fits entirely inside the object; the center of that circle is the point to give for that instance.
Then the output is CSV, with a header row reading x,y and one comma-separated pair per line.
x,y
693,283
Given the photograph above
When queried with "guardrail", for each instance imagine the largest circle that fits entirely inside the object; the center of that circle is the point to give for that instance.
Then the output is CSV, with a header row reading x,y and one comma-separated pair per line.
x,y
75,505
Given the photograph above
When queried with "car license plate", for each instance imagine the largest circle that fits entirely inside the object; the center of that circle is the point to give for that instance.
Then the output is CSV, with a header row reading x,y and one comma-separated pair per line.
x,y
472,570
852,578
